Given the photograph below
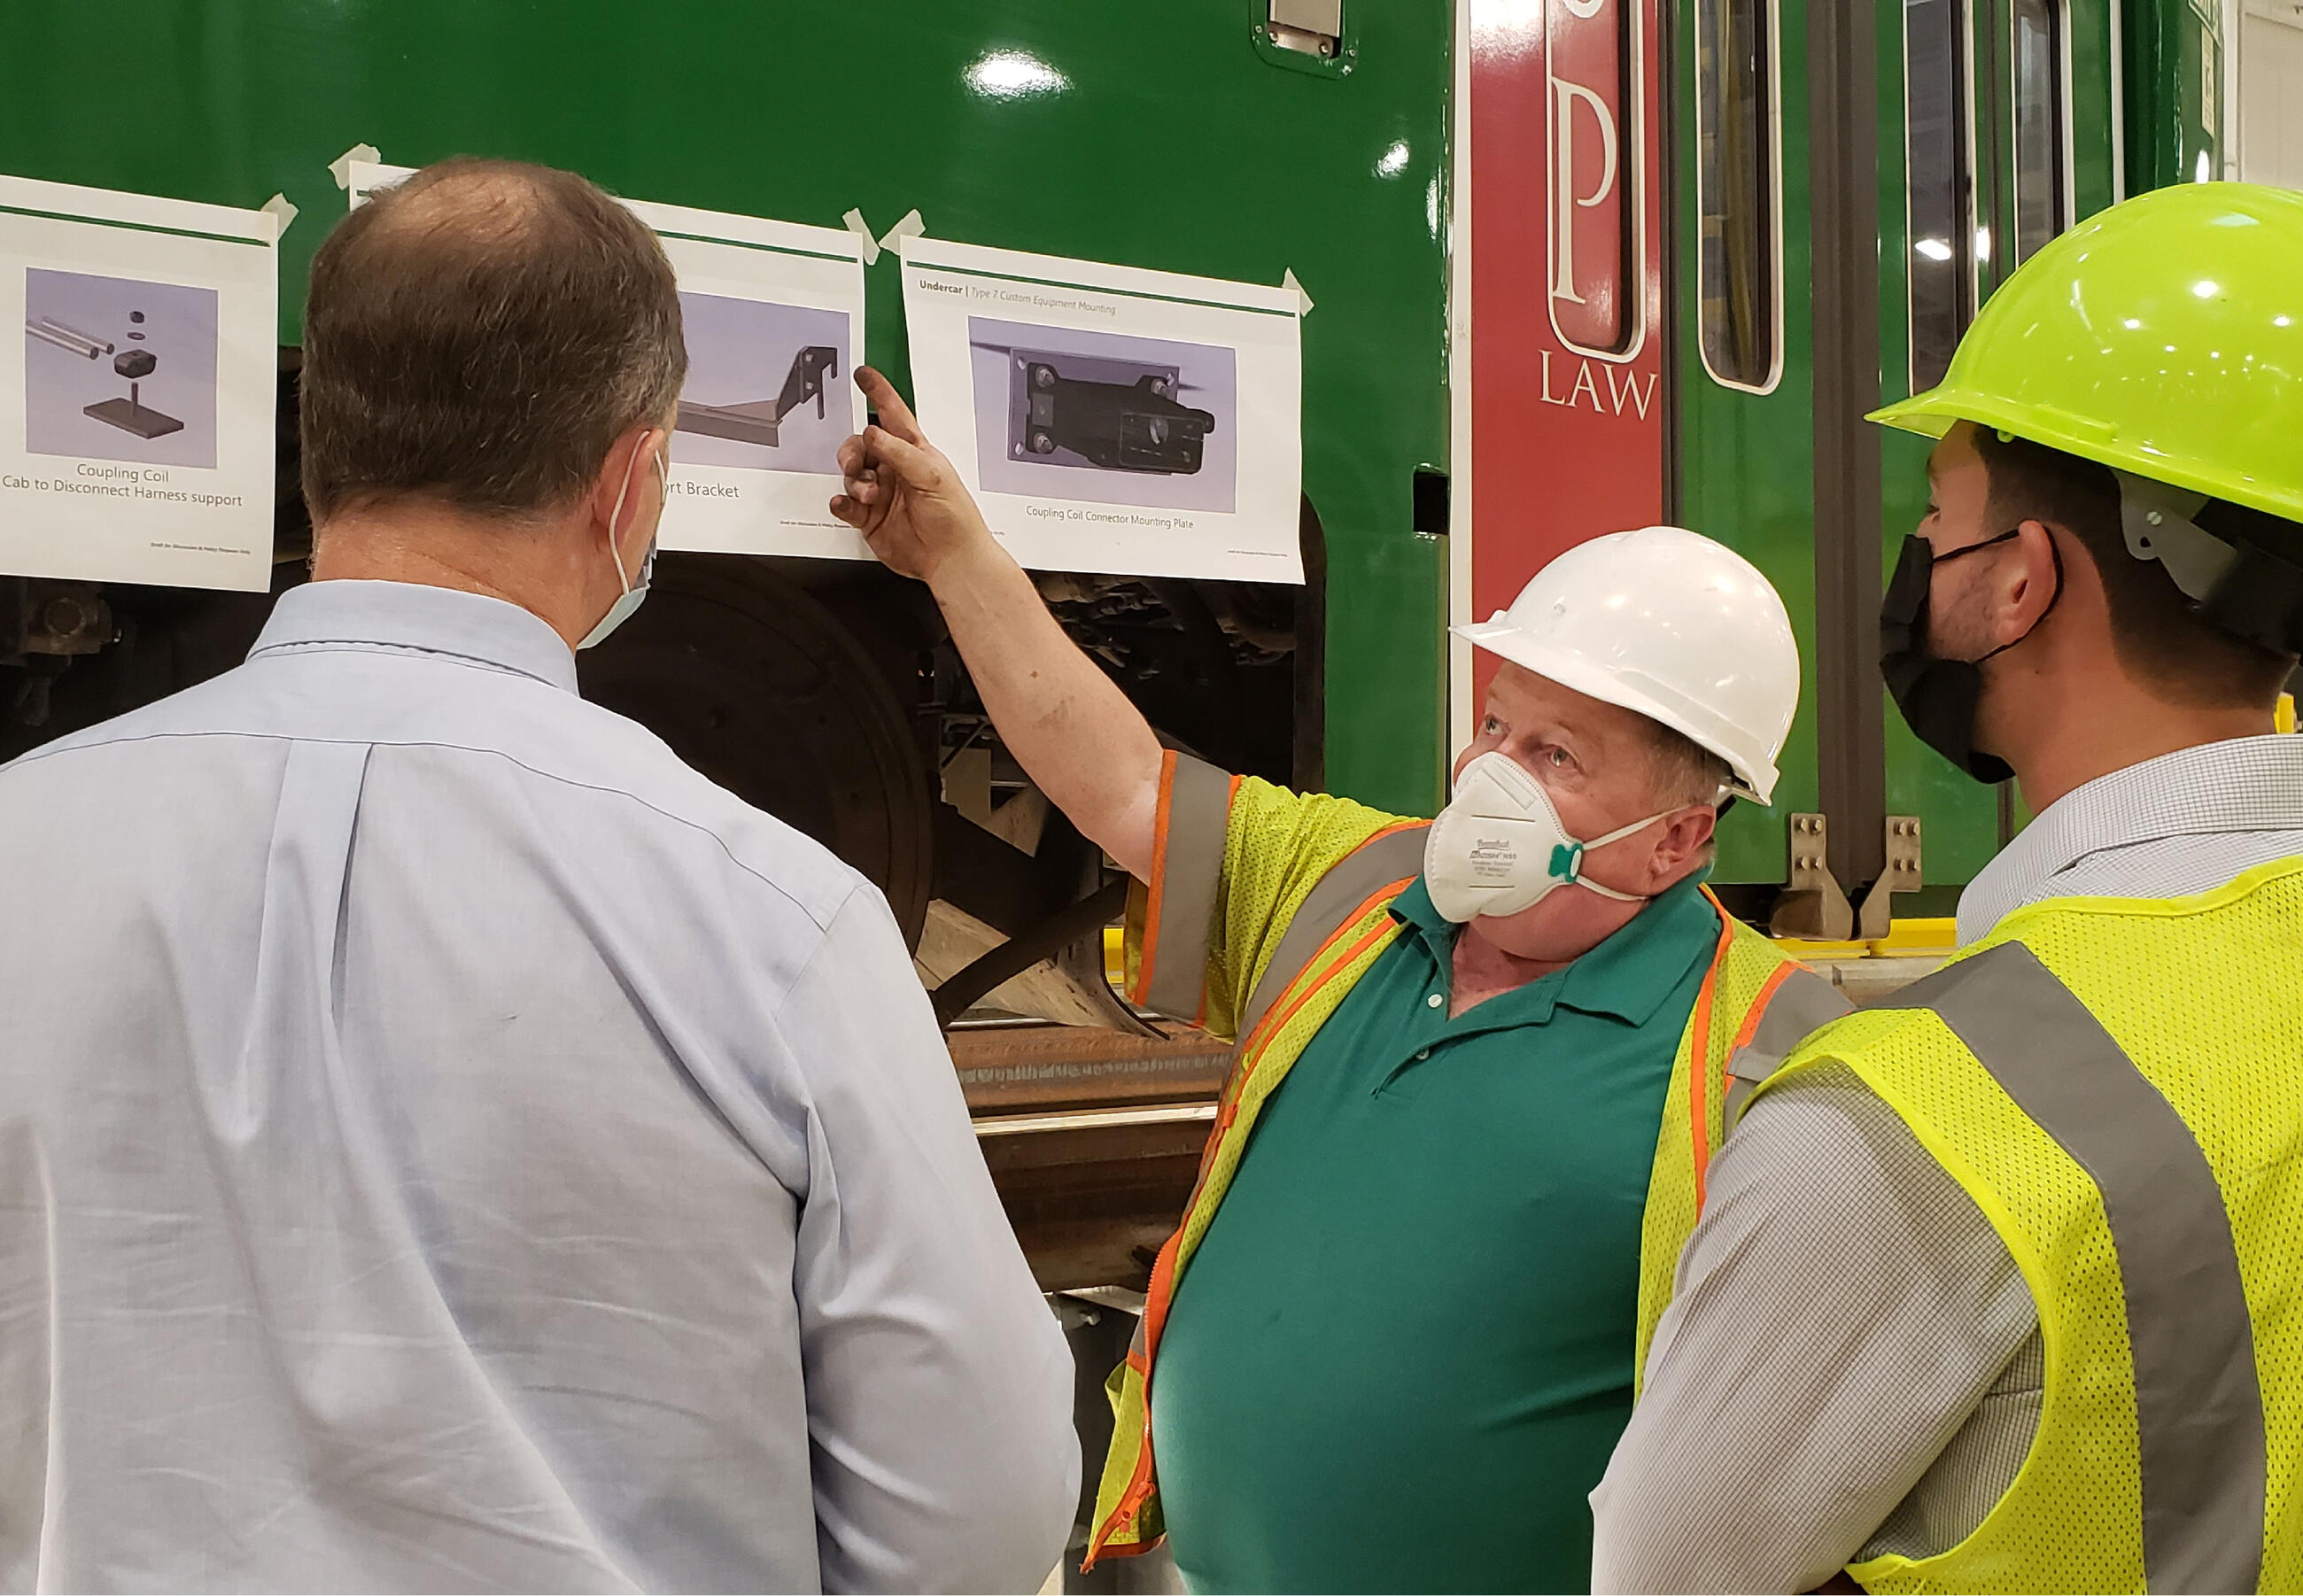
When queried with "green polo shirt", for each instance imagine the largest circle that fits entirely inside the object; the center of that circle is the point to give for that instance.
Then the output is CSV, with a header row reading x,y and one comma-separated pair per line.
x,y
1403,1353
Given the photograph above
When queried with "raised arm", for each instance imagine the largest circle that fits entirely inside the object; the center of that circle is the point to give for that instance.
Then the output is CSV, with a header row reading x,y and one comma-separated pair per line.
x,y
1068,724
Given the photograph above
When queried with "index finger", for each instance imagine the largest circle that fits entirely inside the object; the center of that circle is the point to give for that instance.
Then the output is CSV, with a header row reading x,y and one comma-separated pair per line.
x,y
894,416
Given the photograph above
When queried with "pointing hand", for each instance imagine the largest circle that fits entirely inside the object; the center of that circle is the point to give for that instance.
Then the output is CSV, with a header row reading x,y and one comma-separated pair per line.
x,y
901,493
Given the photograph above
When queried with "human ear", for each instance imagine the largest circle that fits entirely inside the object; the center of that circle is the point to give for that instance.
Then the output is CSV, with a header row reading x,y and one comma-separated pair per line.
x,y
1685,835
618,503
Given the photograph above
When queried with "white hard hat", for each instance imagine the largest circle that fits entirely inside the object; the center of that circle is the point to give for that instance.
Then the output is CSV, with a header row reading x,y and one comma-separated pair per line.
x,y
1665,622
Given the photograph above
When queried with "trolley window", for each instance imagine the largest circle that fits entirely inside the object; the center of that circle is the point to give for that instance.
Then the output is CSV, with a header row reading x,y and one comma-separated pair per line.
x,y
1739,265
2041,209
1940,263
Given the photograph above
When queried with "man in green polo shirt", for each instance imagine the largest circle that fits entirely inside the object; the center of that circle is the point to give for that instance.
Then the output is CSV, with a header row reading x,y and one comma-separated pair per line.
x,y
1400,1357
1394,1347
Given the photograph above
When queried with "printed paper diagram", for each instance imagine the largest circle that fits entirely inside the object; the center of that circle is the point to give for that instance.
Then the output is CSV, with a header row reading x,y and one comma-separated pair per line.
x,y
766,385
1113,419
1155,421
773,316
139,408
136,378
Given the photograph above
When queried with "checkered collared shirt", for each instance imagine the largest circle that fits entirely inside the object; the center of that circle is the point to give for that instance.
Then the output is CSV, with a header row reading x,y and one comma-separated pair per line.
x,y
1852,1363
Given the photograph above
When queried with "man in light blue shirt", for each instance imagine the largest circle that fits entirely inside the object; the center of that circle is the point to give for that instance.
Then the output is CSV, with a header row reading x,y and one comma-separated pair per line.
x,y
446,1143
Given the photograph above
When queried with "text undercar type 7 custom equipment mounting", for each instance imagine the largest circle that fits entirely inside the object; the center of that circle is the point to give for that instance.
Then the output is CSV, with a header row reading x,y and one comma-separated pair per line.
x,y
758,422
1116,425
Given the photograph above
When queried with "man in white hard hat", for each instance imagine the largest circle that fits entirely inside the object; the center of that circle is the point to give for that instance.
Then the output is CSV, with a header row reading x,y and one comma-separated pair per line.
x,y
1396,1345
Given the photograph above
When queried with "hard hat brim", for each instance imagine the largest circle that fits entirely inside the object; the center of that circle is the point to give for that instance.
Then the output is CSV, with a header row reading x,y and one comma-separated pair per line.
x,y
1937,411
1507,641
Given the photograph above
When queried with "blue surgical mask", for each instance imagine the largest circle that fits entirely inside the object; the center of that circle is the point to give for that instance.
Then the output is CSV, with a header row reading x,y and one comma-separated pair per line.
x,y
634,592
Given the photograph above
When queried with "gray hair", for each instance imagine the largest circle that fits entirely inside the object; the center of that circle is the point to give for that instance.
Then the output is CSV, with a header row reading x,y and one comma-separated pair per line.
x,y
480,335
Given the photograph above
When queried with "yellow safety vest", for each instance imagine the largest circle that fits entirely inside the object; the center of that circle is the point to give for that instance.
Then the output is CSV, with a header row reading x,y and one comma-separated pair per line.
x,y
1755,1005
2118,1083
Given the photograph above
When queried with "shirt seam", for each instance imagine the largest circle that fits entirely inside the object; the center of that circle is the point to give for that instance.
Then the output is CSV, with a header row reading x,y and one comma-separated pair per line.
x,y
823,924
376,645
824,944
2100,849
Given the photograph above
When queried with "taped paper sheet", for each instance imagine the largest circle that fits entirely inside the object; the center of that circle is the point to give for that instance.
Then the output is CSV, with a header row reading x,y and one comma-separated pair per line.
x,y
1110,419
774,318
138,399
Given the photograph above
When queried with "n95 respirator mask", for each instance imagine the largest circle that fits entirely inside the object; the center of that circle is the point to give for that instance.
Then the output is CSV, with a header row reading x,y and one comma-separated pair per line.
x,y
1500,848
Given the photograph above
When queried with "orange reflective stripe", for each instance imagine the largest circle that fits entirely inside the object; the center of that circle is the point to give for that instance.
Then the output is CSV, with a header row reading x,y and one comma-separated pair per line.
x,y
1699,1063
1758,1012
1231,797
1700,1067
1155,1305
1308,983
1161,1291
1159,882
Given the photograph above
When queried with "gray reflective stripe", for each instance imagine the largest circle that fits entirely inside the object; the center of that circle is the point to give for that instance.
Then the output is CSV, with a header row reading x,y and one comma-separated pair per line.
x,y
1801,1006
2199,1407
1330,907
1191,869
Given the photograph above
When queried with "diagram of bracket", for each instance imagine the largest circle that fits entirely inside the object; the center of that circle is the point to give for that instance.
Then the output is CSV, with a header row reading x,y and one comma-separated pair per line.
x,y
1119,426
759,420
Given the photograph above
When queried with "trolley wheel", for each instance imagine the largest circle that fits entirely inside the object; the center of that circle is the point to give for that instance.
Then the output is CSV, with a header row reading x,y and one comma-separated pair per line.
x,y
757,686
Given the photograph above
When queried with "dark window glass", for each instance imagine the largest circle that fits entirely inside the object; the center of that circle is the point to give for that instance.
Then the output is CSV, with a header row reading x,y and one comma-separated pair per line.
x,y
1735,188
1942,259
2039,211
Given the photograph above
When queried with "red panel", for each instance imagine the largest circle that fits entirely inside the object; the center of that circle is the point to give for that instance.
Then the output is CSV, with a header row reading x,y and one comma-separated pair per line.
x,y
1567,283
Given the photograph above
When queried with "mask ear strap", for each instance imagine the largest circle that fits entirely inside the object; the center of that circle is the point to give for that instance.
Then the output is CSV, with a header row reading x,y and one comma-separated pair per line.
x,y
2053,598
617,514
1593,886
1574,873
1622,832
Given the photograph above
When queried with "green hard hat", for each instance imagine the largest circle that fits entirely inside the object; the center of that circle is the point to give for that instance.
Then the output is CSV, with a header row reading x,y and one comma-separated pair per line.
x,y
2163,337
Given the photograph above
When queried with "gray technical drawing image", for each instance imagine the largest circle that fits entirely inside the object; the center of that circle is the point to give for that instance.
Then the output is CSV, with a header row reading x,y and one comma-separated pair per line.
x,y
759,421
128,414
764,388
118,368
1117,415
1111,418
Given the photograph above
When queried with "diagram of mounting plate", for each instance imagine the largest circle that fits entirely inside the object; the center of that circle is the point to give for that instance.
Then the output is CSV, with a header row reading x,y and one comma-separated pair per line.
x,y
1111,415
129,416
759,421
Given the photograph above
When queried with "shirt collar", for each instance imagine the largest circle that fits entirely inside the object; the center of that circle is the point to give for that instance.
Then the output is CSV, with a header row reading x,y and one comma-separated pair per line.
x,y
1627,977
2241,784
469,627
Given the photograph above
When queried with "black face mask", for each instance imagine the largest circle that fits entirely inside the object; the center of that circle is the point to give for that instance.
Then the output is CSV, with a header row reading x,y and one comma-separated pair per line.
x,y
1939,697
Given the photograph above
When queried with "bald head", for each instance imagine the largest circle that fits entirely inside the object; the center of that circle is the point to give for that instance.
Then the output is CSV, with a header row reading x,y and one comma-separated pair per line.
x,y
480,337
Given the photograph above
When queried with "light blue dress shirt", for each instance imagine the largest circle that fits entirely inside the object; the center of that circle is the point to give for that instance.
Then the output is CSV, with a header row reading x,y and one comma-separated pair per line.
x,y
446,1143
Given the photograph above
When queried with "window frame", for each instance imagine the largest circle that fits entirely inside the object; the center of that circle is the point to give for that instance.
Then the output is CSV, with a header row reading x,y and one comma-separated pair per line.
x,y
1772,23
1967,220
2066,196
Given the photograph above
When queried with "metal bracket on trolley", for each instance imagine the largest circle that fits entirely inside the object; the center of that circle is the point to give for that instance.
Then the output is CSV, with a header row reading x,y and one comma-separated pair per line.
x,y
1812,906
1899,873
1814,909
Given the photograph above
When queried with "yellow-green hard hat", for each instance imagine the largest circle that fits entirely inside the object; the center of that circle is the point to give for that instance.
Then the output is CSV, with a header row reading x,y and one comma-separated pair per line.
x,y
2163,337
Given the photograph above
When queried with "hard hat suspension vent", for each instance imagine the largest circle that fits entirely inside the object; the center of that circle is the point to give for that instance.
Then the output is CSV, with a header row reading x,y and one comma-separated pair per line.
x,y
2241,568
2260,597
